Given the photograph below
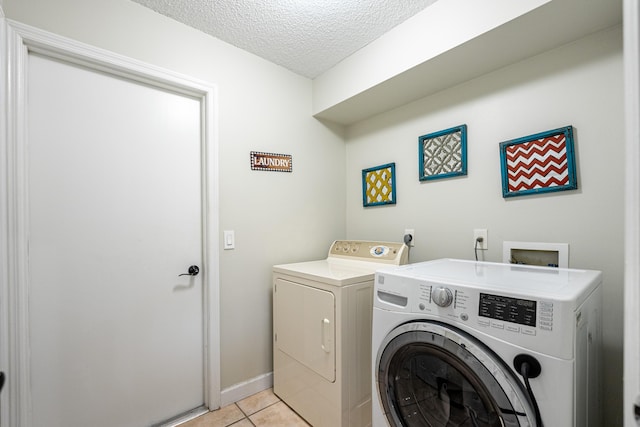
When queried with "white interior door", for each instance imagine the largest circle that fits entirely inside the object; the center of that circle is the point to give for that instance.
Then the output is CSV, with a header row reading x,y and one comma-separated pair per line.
x,y
115,215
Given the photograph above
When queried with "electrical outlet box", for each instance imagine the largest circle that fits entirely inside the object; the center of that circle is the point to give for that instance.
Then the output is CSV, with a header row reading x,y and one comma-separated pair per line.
x,y
481,232
413,236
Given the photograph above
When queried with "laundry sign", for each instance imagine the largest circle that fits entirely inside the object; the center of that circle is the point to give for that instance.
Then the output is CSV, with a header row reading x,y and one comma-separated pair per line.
x,y
271,162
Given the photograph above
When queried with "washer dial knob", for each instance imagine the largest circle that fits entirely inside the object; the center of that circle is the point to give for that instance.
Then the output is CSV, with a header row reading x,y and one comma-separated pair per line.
x,y
442,296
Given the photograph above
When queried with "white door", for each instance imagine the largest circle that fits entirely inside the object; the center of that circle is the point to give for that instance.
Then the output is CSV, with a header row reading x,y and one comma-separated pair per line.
x,y
115,215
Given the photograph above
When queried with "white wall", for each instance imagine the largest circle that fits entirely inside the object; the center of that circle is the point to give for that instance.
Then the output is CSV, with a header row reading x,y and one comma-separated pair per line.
x,y
579,84
277,217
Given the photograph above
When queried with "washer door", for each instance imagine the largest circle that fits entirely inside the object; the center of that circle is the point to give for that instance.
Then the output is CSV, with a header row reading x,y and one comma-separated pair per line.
x,y
432,374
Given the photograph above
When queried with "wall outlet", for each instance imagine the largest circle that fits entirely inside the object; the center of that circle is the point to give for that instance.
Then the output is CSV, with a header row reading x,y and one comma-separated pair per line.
x,y
413,236
481,232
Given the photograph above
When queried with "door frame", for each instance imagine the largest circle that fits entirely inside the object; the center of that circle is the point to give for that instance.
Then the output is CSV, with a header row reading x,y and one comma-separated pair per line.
x,y
17,41
631,341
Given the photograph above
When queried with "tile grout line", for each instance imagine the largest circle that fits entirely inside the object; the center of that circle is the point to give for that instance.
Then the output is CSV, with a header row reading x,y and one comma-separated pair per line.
x,y
247,416
261,409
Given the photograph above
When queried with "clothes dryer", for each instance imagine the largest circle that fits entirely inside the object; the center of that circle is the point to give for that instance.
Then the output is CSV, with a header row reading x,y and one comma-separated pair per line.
x,y
322,332
462,343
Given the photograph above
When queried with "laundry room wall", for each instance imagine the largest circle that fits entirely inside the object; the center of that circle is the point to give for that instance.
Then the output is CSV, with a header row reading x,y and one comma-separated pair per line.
x,y
579,84
277,217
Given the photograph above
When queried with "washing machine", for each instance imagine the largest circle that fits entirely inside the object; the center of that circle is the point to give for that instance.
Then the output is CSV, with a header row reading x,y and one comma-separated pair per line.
x,y
463,343
322,313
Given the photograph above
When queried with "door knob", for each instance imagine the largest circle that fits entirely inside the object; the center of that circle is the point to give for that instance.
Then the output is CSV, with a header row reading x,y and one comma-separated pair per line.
x,y
192,271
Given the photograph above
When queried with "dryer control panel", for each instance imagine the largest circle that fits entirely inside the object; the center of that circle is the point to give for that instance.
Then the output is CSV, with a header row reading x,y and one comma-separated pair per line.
x,y
393,253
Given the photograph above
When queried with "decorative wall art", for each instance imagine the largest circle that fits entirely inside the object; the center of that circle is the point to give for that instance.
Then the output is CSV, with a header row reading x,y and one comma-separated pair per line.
x,y
443,154
379,185
271,162
538,163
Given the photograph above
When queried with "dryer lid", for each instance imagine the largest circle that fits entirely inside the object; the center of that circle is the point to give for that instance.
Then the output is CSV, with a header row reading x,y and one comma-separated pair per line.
x,y
332,272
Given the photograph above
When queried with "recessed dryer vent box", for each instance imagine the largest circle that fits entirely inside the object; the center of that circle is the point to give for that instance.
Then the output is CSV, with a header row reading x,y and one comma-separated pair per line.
x,y
536,253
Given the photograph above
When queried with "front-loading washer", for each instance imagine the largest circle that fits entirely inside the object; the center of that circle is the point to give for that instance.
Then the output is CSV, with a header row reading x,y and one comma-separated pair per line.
x,y
322,314
463,343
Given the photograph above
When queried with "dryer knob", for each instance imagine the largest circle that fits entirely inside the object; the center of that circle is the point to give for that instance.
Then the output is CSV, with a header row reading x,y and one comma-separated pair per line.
x,y
442,296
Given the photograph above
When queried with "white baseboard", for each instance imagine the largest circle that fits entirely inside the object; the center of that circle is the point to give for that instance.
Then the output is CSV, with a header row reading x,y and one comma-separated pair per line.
x,y
245,389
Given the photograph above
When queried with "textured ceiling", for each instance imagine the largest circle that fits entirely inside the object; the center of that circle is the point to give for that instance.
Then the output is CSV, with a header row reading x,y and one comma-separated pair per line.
x,y
305,36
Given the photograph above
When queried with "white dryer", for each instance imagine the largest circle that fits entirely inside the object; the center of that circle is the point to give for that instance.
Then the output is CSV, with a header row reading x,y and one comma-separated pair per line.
x,y
322,313
462,343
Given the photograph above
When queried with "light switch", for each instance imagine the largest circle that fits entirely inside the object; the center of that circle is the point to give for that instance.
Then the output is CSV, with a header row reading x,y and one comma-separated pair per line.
x,y
229,240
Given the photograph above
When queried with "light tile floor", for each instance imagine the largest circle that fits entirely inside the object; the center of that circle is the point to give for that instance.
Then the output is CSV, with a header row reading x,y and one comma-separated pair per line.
x,y
263,409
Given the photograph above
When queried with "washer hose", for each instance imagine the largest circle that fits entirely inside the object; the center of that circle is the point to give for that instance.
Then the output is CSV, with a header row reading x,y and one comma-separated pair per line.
x,y
529,367
525,374
408,238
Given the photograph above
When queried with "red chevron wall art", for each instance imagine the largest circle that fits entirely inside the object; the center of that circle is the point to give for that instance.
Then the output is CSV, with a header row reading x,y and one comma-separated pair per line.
x,y
538,163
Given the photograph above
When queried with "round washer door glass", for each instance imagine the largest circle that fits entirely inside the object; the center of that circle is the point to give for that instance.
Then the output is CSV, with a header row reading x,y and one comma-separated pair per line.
x,y
427,378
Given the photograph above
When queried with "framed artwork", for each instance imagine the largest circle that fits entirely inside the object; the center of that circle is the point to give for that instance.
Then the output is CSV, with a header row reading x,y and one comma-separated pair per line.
x,y
379,185
538,163
443,154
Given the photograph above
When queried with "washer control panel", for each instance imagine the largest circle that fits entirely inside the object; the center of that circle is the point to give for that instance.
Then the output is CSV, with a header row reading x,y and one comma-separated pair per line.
x,y
508,309
540,309
501,314
360,250
490,310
